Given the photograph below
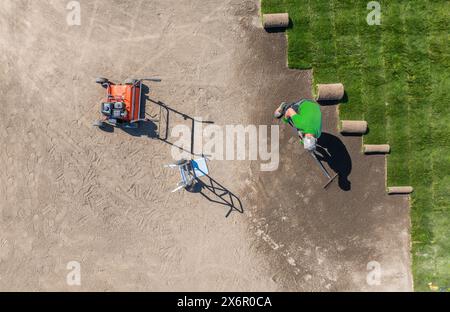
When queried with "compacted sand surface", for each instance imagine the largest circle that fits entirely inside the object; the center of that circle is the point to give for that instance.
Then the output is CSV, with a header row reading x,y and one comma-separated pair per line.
x,y
71,192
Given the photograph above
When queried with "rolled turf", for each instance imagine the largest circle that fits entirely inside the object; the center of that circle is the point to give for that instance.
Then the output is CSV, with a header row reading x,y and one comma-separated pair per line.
x,y
278,20
330,92
377,148
353,126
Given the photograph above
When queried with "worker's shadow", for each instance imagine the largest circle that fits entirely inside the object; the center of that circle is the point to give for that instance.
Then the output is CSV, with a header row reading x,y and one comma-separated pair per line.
x,y
334,152
217,193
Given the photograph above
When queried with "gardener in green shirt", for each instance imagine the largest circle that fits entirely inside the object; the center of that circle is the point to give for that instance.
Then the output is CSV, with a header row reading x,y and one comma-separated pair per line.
x,y
306,117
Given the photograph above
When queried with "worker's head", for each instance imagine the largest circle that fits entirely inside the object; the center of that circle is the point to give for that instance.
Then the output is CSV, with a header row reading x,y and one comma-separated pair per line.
x,y
309,142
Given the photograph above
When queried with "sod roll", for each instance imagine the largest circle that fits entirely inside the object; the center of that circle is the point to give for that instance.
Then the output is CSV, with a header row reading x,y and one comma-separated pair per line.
x,y
330,92
354,126
278,20
400,190
377,149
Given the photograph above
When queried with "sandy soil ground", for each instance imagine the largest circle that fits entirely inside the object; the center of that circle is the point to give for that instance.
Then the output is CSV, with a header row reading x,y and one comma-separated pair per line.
x,y
69,192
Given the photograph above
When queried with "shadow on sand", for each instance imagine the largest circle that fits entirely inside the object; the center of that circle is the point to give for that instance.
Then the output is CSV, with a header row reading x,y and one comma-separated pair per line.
x,y
218,194
335,154
207,186
164,125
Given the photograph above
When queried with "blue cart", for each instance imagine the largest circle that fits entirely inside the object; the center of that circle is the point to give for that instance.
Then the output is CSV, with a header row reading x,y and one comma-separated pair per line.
x,y
190,171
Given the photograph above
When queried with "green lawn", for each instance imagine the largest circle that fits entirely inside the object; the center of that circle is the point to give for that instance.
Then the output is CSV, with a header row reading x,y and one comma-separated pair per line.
x,y
397,77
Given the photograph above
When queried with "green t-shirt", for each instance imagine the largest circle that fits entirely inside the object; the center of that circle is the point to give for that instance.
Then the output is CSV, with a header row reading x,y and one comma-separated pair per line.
x,y
308,119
